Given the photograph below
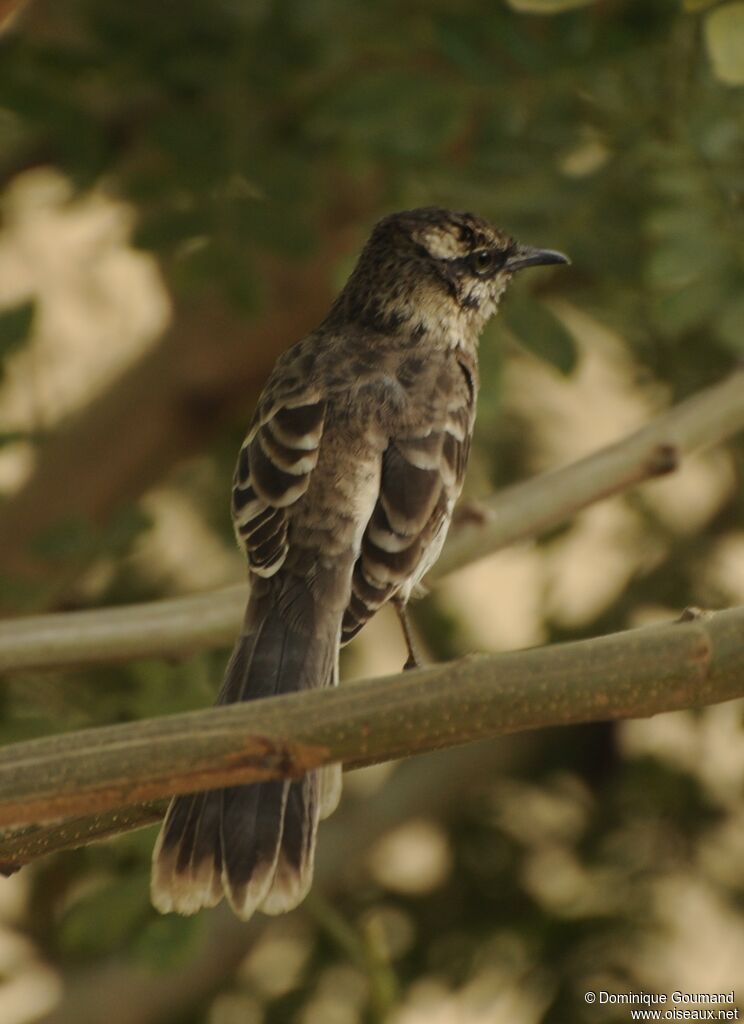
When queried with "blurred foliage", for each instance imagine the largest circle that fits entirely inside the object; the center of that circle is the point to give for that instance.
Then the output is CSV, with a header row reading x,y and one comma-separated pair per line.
x,y
724,35
245,133
15,325
250,128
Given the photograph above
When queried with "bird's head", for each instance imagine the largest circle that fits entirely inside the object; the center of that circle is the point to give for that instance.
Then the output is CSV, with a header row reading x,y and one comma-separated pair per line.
x,y
437,267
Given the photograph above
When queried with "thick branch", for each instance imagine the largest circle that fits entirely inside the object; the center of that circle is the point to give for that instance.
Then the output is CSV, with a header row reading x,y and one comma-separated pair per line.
x,y
636,673
192,623
19,846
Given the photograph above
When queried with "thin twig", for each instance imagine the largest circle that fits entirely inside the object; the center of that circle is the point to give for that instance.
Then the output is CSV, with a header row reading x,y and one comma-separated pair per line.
x,y
540,504
179,626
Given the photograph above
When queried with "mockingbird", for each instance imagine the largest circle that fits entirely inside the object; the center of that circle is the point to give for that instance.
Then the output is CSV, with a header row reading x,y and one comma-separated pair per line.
x,y
342,497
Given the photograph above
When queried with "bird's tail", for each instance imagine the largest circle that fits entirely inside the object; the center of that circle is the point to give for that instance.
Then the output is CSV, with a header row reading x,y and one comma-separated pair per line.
x,y
255,844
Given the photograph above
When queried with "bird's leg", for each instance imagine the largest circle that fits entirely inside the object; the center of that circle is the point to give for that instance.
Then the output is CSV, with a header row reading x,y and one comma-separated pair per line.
x,y
413,661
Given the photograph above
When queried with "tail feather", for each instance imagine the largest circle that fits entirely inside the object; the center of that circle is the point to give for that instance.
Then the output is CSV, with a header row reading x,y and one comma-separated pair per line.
x,y
330,777
329,785
182,881
251,829
294,868
254,844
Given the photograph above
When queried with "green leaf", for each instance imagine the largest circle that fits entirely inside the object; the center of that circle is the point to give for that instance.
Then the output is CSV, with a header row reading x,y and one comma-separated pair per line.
x,y
676,310
77,539
724,37
102,921
547,6
15,326
540,330
168,942
70,539
16,436
730,326
391,114
128,522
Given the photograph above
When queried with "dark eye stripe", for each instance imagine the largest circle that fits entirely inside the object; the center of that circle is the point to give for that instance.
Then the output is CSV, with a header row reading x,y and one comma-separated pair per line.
x,y
485,261
481,262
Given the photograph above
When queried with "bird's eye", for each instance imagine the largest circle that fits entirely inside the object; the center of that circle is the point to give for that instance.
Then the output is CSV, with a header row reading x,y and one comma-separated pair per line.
x,y
482,261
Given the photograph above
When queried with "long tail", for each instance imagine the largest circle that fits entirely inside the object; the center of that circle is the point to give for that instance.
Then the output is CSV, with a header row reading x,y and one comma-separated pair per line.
x,y
255,844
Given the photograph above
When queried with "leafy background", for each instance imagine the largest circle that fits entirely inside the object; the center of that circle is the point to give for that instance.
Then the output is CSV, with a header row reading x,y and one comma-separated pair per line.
x,y
184,185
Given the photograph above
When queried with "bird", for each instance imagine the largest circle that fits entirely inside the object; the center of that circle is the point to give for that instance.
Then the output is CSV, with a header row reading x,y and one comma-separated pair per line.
x,y
342,496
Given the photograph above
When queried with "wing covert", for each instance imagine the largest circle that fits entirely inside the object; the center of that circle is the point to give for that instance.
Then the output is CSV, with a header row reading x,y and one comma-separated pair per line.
x,y
418,489
273,471
421,479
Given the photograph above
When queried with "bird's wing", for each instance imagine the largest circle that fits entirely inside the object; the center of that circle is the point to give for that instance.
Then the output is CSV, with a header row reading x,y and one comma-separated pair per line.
x,y
421,478
273,472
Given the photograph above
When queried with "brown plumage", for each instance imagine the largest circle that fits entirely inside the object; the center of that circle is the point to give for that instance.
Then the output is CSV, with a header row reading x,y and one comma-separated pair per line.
x,y
343,494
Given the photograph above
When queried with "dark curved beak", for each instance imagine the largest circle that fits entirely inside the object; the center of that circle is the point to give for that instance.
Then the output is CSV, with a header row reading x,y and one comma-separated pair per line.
x,y
527,256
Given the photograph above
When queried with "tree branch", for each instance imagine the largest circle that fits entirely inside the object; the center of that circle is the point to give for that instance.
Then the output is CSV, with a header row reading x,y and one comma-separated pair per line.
x,y
641,672
545,501
188,624
181,625
19,846
134,994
